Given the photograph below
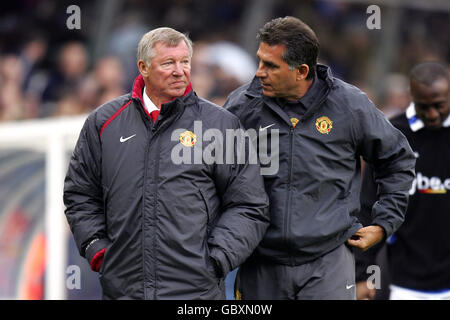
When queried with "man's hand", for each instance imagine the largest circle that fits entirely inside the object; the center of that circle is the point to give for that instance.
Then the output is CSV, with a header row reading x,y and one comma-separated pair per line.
x,y
366,237
363,292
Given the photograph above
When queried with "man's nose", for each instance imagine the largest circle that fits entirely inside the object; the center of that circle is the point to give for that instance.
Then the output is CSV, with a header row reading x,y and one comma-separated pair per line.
x,y
178,69
261,73
432,113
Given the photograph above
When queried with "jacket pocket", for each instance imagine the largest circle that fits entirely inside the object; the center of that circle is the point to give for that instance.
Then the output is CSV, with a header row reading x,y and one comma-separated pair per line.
x,y
209,263
208,260
207,208
105,199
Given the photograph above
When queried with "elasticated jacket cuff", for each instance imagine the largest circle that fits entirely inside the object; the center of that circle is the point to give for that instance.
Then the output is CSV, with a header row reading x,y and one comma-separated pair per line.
x,y
221,258
386,226
97,246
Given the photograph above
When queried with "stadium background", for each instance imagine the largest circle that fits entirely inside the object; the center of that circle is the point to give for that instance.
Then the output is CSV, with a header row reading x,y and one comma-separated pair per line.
x,y
52,76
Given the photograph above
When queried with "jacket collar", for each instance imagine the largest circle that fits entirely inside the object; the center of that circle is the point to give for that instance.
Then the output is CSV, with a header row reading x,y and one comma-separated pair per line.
x,y
138,89
323,72
415,123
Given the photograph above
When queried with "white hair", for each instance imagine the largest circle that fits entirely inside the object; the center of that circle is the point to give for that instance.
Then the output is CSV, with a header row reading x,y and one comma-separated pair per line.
x,y
168,36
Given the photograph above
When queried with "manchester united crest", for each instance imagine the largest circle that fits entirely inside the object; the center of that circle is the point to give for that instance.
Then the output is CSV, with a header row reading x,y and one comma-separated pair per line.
x,y
188,138
324,125
294,121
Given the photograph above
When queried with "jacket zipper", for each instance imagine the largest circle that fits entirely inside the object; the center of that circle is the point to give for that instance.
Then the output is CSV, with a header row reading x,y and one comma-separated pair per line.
x,y
154,131
144,184
289,194
155,192
151,133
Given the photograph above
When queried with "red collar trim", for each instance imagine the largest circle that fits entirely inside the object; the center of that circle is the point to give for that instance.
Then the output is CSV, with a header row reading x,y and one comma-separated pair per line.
x,y
138,88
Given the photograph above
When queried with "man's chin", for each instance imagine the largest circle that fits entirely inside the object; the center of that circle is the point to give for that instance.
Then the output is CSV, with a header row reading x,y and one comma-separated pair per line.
x,y
268,93
178,91
435,125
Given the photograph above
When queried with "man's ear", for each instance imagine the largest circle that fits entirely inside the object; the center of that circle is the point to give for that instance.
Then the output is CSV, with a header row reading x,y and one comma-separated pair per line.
x,y
302,72
143,68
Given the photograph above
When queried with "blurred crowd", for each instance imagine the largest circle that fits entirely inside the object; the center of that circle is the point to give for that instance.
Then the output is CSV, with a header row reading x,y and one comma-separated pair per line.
x,y
70,88
47,70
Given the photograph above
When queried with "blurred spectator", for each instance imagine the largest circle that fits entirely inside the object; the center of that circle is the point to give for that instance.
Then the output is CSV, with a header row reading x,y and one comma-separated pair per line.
x,y
220,67
12,70
69,105
12,103
396,95
110,77
233,60
88,91
124,39
347,46
202,75
31,55
417,260
103,83
72,65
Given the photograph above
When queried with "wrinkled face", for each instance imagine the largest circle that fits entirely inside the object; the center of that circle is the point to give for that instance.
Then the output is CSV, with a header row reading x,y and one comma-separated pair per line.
x,y
277,80
169,72
431,102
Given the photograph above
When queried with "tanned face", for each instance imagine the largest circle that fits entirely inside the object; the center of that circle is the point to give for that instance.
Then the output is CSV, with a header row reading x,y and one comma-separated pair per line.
x,y
277,80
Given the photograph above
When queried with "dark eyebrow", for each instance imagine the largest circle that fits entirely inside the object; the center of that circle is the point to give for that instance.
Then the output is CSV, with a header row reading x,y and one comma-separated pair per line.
x,y
269,64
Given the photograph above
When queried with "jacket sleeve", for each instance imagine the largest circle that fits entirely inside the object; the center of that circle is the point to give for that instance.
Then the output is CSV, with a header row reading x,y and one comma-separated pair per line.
x,y
363,259
245,216
235,101
83,196
387,150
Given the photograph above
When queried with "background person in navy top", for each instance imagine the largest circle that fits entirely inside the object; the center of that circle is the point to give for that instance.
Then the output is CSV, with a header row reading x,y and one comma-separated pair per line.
x,y
418,253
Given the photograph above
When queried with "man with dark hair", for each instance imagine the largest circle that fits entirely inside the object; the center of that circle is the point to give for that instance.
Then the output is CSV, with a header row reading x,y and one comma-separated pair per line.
x,y
324,126
152,226
302,47
418,253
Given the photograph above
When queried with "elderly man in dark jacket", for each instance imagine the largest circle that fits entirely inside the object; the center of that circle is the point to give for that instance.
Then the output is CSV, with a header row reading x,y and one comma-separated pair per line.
x,y
154,219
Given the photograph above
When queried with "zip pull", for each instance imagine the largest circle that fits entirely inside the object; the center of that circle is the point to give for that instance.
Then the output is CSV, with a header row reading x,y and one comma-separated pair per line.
x,y
294,121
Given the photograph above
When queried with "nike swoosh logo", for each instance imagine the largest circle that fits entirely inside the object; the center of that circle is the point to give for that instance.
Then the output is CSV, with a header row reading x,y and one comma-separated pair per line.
x,y
349,287
122,139
262,129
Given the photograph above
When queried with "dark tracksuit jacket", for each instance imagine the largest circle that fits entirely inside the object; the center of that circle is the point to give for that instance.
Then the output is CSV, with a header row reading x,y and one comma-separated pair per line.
x,y
161,222
419,251
315,193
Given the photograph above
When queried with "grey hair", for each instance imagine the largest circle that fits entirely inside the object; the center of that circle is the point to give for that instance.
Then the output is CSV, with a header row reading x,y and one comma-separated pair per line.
x,y
168,36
